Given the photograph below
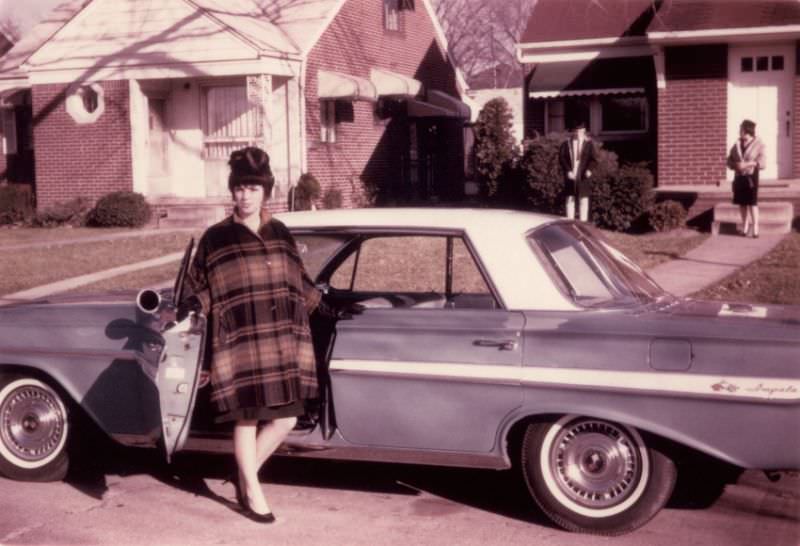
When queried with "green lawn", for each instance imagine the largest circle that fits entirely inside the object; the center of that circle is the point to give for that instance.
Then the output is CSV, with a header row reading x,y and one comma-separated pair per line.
x,y
651,249
775,278
27,268
18,236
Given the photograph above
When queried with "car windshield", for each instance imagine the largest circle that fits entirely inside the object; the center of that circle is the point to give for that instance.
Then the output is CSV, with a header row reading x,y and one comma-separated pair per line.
x,y
592,271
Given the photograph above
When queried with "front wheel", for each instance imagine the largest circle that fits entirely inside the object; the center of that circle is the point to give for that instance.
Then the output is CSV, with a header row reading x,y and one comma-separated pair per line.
x,y
33,431
595,476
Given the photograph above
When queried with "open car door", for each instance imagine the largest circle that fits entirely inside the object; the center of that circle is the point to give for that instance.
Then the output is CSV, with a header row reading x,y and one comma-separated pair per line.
x,y
179,368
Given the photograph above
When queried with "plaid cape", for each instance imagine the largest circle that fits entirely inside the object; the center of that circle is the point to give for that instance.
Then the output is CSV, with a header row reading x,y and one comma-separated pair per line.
x,y
257,296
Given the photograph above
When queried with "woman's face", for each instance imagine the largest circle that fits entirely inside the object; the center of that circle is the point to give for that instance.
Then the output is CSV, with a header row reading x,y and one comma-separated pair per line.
x,y
248,199
744,135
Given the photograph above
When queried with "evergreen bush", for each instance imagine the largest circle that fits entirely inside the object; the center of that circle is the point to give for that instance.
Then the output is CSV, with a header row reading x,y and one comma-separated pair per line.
x,y
69,213
495,148
306,192
666,216
120,209
540,172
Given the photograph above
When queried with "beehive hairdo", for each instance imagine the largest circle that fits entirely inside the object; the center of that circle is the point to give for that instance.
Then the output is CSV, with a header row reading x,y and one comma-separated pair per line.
x,y
250,166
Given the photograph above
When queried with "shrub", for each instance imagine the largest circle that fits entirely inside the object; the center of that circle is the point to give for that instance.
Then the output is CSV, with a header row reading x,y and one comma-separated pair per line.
x,y
542,178
15,203
120,209
619,199
332,199
305,192
69,213
666,216
494,145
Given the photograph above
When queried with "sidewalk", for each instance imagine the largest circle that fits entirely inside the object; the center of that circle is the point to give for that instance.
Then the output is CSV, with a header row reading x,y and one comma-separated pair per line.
x,y
712,261
97,238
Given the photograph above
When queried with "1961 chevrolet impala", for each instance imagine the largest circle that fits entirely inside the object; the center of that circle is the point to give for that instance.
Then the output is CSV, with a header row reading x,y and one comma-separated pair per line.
x,y
478,326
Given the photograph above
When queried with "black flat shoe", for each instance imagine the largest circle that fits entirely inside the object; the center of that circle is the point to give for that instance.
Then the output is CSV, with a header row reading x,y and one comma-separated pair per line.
x,y
252,515
269,517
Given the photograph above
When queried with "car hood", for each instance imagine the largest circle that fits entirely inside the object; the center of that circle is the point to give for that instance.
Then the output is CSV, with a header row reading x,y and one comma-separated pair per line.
x,y
71,299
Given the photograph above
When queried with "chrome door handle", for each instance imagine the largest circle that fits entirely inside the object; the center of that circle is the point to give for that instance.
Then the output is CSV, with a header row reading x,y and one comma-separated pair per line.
x,y
501,344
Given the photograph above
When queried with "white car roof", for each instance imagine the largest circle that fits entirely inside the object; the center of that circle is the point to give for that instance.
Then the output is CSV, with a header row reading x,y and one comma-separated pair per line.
x,y
441,218
499,237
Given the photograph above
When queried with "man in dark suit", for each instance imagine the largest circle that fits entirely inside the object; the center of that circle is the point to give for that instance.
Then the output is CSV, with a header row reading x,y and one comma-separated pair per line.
x,y
577,158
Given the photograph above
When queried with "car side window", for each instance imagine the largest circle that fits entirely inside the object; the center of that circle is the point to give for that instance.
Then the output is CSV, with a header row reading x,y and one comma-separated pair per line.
x,y
433,271
316,250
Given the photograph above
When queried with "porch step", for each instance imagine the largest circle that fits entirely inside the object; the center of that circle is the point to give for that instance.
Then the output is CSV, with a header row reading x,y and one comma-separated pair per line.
x,y
775,217
188,215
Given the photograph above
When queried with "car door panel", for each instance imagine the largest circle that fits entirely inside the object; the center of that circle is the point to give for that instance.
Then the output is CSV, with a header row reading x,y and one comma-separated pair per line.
x,y
440,379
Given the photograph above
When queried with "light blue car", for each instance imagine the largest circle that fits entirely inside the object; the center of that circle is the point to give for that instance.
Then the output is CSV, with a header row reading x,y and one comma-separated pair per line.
x,y
487,337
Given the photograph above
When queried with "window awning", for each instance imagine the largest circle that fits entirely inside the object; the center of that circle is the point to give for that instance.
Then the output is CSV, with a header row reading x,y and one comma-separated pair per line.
x,y
561,79
335,85
389,83
580,92
439,101
12,96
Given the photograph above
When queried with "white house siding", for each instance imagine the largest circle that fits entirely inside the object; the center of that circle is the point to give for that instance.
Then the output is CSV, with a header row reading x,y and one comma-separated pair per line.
x,y
126,33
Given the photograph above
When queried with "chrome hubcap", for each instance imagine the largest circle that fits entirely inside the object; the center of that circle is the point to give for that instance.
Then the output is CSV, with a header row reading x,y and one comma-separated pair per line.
x,y
32,423
594,463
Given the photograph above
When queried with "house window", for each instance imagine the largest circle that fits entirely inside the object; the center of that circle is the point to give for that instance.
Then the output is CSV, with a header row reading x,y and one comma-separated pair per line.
x,y
391,15
327,121
8,124
565,113
85,102
623,114
762,64
777,62
231,121
747,64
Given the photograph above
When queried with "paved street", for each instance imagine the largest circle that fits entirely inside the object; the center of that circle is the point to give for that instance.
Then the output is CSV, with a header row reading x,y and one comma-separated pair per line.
x,y
129,497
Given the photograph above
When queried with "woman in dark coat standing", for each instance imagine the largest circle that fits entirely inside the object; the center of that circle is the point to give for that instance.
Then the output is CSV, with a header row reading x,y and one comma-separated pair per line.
x,y
746,158
248,278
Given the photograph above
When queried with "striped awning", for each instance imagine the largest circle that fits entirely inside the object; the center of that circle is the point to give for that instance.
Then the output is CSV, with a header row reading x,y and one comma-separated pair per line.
x,y
335,85
563,79
389,83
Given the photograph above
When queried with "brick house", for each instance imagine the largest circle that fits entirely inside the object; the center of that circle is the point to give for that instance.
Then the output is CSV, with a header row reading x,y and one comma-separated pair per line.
x,y
152,96
669,81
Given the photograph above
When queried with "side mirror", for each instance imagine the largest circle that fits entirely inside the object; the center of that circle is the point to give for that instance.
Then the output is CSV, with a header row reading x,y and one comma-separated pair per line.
x,y
148,301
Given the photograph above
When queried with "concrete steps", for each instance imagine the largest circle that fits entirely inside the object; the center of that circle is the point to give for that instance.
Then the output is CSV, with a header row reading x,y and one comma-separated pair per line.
x,y
172,212
775,217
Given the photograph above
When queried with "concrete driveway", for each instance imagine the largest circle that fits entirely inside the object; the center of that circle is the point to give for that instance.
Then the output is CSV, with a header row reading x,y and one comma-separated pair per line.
x,y
126,496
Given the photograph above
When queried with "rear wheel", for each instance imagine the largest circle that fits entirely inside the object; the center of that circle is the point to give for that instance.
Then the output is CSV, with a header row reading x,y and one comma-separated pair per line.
x,y
33,431
595,476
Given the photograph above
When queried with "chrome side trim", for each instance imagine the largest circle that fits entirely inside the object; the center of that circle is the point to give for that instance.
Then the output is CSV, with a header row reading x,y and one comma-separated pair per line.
x,y
366,454
770,389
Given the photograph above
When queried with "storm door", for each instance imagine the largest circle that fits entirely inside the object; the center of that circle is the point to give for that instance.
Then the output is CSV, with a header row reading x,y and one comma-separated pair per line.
x,y
433,362
761,89
230,122
158,141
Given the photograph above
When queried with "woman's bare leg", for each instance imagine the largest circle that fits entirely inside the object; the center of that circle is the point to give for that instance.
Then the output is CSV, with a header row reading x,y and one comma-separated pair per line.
x,y
754,215
270,437
745,220
245,449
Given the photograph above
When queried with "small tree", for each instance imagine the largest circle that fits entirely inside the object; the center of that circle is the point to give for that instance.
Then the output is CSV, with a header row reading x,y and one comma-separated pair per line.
x,y
494,145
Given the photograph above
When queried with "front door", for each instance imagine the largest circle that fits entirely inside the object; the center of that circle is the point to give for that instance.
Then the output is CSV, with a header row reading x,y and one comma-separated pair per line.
x,y
433,362
761,89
